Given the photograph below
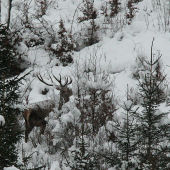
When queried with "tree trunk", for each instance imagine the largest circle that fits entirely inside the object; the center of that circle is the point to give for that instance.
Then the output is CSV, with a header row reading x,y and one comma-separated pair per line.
x,y
0,12
9,13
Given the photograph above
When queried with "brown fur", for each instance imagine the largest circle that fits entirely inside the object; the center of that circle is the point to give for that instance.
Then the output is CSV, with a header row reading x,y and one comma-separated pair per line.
x,y
36,113
65,94
35,116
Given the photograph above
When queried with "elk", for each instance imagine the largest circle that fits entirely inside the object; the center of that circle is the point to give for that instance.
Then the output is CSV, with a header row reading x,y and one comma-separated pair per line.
x,y
36,113
65,91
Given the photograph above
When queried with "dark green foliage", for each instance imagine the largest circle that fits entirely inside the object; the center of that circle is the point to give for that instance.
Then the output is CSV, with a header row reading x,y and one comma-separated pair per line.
x,y
114,7
98,110
7,54
64,47
126,138
152,134
137,1
92,36
88,11
131,11
11,133
110,157
84,160
123,135
82,156
91,32
42,6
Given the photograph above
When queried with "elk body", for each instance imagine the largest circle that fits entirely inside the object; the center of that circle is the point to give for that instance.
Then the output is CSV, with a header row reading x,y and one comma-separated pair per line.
x,y
35,114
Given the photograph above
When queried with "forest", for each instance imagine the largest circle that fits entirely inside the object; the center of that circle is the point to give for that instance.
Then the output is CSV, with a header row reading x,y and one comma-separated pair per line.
x,y
84,85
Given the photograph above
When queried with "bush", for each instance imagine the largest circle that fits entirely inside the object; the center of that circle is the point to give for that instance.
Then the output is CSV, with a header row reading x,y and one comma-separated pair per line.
x,y
64,47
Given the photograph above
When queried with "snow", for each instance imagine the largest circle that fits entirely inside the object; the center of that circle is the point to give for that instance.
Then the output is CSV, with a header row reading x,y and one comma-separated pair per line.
x,y
116,54
55,166
11,168
2,121
127,105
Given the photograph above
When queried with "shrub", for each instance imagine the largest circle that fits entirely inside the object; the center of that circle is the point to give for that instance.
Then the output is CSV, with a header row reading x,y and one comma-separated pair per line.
x,y
64,47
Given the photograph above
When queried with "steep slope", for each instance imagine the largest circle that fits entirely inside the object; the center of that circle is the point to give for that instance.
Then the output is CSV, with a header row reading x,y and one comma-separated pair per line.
x,y
121,43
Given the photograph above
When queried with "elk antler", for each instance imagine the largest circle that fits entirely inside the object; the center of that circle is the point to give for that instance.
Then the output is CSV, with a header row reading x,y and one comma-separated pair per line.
x,y
42,80
67,81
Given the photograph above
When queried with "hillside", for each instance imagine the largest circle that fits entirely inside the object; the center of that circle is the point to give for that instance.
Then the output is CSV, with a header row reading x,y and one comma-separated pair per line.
x,y
106,58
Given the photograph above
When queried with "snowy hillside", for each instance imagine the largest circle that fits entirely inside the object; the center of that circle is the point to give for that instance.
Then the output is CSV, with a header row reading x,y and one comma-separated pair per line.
x,y
105,62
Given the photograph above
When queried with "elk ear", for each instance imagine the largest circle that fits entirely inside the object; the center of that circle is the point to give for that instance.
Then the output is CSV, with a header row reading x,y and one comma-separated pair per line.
x,y
58,87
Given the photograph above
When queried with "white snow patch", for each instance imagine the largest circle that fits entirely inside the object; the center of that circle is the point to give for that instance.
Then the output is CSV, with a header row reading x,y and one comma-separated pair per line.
x,y
2,120
11,168
55,166
127,105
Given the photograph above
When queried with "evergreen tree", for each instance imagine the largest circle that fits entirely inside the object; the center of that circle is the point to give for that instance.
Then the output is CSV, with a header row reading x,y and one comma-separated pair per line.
x,y
126,138
153,135
64,47
92,35
82,156
131,11
88,11
114,7
11,132
42,6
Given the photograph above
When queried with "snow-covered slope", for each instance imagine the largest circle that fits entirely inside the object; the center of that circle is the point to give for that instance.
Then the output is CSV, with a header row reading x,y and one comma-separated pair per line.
x,y
115,53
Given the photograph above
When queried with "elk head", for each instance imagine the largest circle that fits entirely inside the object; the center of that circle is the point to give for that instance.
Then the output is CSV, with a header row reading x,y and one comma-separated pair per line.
x,y
65,91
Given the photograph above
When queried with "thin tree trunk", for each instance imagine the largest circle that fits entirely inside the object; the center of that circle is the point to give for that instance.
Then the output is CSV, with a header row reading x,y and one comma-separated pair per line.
x,y
9,13
0,12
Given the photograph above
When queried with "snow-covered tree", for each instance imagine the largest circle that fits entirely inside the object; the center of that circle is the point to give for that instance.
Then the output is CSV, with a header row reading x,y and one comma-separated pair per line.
x,y
91,35
88,11
94,93
153,134
114,7
11,132
131,11
64,47
41,6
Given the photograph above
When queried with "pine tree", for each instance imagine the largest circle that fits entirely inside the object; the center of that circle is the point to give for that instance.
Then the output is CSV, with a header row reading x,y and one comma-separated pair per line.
x,y
126,136
92,35
64,47
153,136
42,6
114,7
88,11
131,11
82,155
9,85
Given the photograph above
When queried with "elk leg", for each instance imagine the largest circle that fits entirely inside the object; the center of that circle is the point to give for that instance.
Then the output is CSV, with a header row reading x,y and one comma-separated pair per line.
x,y
43,126
28,129
26,135
61,102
